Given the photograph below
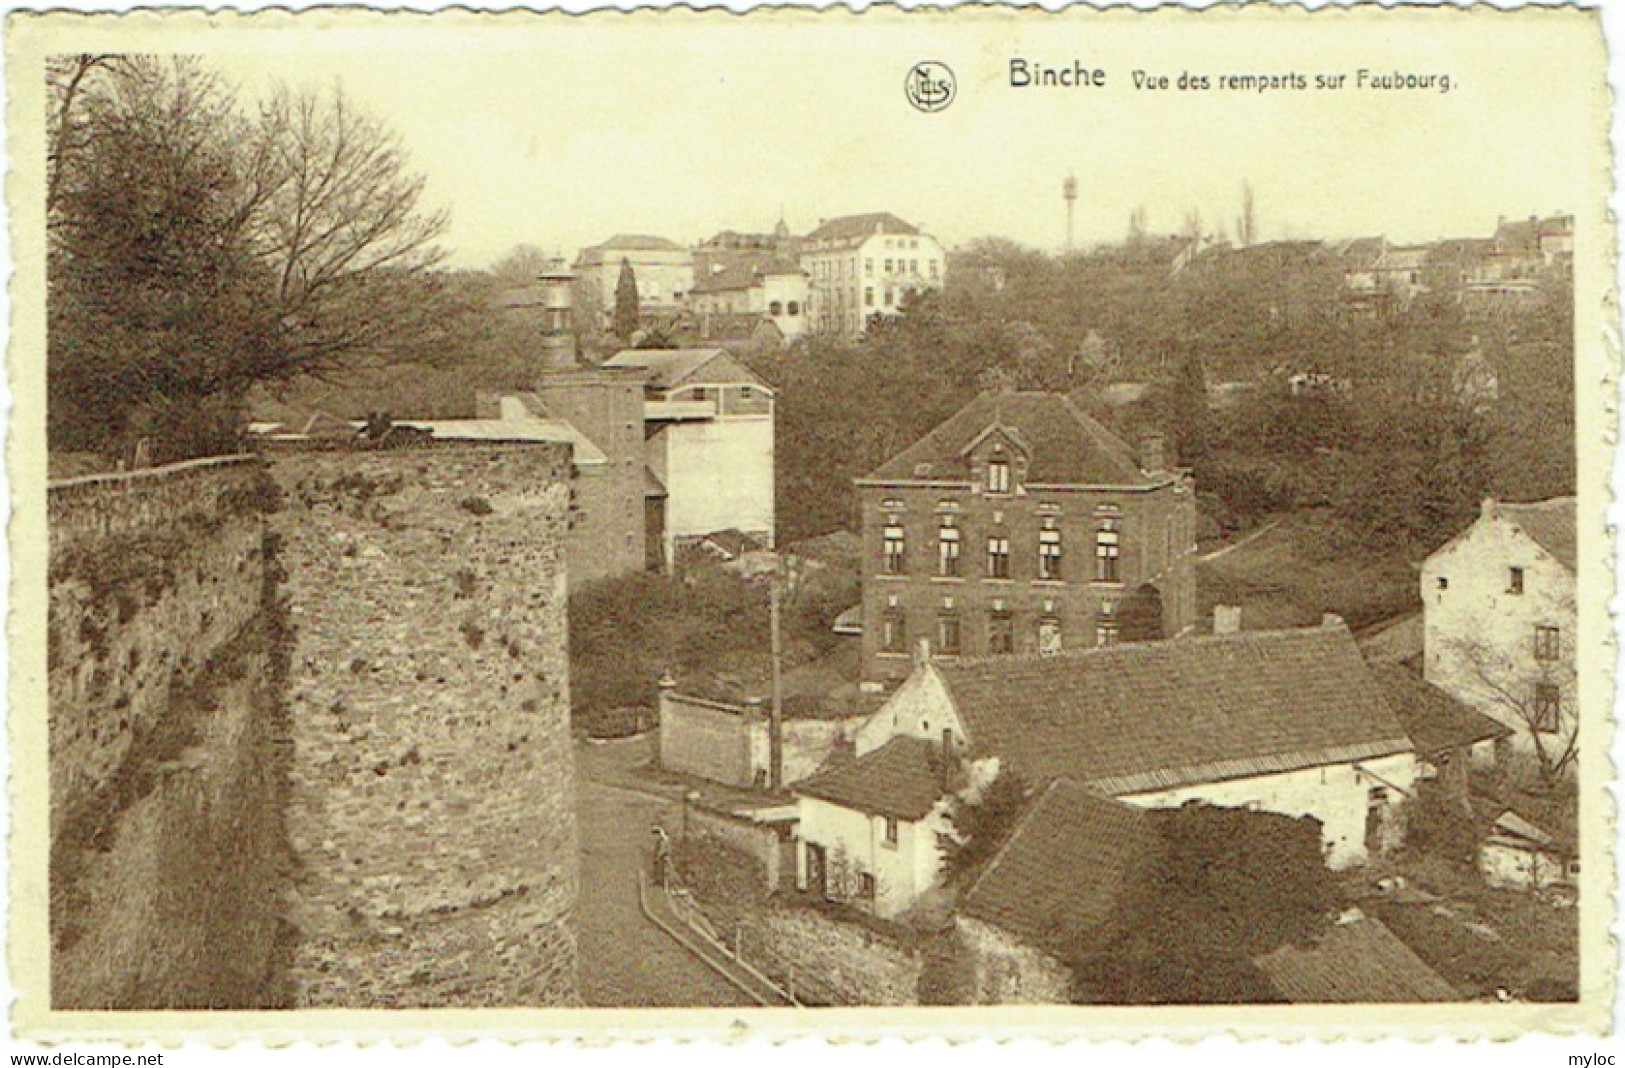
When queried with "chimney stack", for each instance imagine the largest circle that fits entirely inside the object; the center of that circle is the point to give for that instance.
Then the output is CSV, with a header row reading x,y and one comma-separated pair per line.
x,y
947,759
1331,621
1227,619
1152,459
557,286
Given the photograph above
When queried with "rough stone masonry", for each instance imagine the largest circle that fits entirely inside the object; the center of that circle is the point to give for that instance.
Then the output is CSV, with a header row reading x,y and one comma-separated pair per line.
x,y
431,814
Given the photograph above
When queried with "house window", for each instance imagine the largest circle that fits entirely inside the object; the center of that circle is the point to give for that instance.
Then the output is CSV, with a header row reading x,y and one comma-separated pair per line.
x,y
1106,633
998,475
1444,583
1001,634
998,556
868,296
894,632
1515,580
1547,642
1547,699
1049,554
1049,636
866,886
891,830
868,268
1106,552
775,308
948,635
948,549
933,268
889,296
888,266
894,547
795,308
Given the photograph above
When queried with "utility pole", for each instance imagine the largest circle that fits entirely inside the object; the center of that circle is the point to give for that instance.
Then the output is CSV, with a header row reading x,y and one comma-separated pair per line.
x,y
775,723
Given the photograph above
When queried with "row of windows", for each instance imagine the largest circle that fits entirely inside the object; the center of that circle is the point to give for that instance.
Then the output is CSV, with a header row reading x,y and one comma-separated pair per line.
x,y
1108,552
777,308
892,267
948,636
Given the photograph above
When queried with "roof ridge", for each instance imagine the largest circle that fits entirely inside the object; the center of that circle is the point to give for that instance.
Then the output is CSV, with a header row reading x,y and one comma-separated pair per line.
x,y
1126,647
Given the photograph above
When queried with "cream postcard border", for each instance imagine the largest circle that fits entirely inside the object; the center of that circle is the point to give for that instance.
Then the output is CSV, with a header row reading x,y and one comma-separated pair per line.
x,y
31,37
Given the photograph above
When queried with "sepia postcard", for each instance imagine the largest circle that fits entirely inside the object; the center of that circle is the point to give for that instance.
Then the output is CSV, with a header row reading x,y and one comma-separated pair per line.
x,y
977,522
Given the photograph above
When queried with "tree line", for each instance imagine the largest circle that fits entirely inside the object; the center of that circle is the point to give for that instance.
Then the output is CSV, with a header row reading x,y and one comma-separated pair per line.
x,y
199,245
1386,419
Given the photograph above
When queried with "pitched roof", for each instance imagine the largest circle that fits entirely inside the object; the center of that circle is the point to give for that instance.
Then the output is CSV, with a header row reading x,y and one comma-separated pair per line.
x,y
644,242
1066,446
1064,868
669,368
739,276
1156,715
848,227
1550,523
902,779
1433,719
1358,961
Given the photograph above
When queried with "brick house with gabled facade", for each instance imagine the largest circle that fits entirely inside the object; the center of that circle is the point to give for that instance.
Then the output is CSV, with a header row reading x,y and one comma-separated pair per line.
x,y
1021,525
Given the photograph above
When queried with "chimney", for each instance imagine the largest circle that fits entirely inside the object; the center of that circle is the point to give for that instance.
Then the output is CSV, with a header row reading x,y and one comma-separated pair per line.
x,y
557,287
1487,509
753,709
1227,619
1331,621
947,759
1151,454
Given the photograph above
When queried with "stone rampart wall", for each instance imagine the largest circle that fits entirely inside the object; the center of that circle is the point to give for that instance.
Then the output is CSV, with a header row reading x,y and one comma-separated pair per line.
x,y
432,812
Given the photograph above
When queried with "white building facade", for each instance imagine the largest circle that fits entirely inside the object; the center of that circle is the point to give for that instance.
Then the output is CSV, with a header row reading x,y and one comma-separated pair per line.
x,y
664,271
863,265
708,443
1500,623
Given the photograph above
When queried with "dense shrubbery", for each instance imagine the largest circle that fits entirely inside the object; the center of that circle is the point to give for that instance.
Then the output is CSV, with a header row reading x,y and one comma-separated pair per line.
x,y
1229,886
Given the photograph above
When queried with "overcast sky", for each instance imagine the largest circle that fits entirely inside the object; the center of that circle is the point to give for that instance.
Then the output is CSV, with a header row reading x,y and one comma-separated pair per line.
x,y
561,131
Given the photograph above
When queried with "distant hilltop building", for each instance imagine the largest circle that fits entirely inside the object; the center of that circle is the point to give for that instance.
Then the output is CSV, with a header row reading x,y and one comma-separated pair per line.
x,y
863,265
771,294
664,271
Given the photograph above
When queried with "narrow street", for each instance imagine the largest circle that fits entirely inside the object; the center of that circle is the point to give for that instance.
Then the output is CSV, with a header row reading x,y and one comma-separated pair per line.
x,y
625,959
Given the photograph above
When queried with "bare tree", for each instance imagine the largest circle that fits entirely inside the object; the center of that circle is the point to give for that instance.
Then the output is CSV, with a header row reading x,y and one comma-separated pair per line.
x,y
339,225
521,265
1538,701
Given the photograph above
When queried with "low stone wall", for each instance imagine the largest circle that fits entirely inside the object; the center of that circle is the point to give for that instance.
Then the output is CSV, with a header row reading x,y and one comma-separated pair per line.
x,y
764,843
1005,971
823,958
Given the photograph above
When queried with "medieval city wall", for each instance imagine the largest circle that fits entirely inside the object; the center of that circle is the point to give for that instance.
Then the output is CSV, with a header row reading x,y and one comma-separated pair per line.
x,y
432,796
167,845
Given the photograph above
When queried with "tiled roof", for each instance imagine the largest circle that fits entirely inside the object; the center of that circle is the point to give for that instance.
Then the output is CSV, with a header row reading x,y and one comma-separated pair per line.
x,y
858,226
1066,446
1550,523
669,368
1358,961
902,779
1070,859
742,276
1433,719
1147,716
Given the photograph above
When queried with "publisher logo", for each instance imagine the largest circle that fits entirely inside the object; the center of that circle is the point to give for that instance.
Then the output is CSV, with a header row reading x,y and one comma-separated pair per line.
x,y
930,86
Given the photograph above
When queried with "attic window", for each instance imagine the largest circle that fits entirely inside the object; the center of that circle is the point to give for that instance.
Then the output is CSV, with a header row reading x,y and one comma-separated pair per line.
x,y
921,470
1515,580
998,475
1444,582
